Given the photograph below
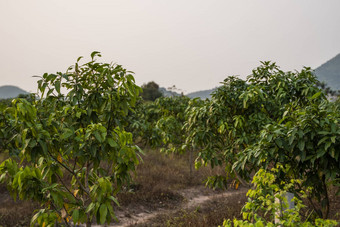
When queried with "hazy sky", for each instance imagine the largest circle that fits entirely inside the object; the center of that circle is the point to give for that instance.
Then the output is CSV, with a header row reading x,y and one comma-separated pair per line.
x,y
192,44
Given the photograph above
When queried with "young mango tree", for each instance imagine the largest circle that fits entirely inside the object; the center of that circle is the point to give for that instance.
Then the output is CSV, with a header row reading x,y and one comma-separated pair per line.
x,y
239,110
68,148
4,124
142,123
160,123
171,125
171,121
204,127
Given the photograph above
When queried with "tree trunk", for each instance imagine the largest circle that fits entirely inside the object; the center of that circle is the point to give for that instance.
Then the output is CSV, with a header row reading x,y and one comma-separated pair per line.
x,y
190,161
326,207
243,182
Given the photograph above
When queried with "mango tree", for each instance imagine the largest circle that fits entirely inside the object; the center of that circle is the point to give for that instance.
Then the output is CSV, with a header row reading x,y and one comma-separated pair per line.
x,y
142,123
171,125
160,123
68,148
239,110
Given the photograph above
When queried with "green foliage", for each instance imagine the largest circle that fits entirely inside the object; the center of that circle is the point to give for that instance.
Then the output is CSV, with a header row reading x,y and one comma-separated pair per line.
x,y
5,102
151,91
171,122
4,124
308,140
75,130
3,127
272,117
160,123
268,206
239,109
143,121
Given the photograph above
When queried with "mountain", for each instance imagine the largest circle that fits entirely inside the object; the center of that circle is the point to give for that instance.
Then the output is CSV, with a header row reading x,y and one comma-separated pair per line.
x,y
167,93
329,72
205,94
9,91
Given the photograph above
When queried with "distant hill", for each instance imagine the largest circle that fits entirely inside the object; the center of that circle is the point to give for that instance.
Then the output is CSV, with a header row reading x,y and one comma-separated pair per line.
x,y
167,93
9,91
329,72
205,94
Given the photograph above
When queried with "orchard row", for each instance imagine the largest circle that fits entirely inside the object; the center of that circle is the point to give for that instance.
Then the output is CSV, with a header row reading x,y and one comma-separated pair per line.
x,y
73,145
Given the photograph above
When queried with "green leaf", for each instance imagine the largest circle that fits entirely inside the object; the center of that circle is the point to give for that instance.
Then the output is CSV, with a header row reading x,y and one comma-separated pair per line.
x,y
327,145
291,139
98,137
111,212
2,177
112,143
278,142
35,217
333,139
316,95
301,145
114,200
57,86
90,207
103,213
75,216
331,153
323,132
57,198
67,133
320,153
95,53
323,140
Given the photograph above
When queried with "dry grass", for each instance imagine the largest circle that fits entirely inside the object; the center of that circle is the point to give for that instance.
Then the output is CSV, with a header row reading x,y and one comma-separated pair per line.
x,y
208,214
159,177
157,183
13,213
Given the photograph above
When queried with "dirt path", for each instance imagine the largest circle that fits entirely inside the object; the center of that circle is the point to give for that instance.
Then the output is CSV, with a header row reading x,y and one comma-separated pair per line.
x,y
193,197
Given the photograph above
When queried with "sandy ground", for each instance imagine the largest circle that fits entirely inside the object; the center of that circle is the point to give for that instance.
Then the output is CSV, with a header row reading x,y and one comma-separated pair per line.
x,y
193,197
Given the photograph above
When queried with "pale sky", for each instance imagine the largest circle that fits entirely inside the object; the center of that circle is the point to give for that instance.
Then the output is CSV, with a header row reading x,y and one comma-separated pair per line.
x,y
193,44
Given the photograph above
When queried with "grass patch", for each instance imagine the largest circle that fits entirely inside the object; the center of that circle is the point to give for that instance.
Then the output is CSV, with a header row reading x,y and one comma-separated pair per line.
x,y
155,185
210,213
158,178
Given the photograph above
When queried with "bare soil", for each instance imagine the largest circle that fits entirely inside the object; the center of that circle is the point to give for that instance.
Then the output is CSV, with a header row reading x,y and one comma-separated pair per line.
x,y
192,199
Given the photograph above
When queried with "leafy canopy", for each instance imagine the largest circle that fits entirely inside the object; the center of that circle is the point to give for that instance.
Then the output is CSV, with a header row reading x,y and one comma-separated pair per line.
x,y
272,117
69,150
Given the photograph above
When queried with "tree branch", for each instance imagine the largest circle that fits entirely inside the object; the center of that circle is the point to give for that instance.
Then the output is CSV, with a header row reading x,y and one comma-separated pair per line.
x,y
70,171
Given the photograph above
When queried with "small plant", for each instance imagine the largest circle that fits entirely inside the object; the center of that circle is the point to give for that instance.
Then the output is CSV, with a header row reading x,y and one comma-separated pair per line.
x,y
268,206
